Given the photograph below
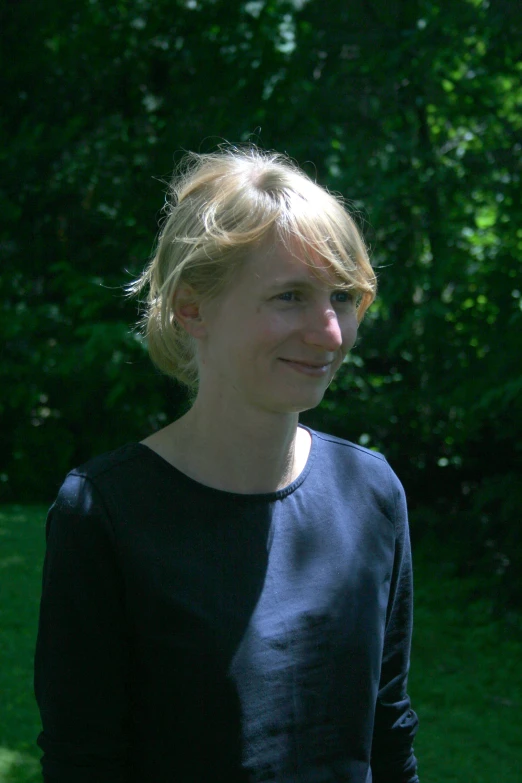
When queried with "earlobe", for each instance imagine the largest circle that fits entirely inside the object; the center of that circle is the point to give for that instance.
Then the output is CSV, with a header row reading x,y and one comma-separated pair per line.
x,y
186,308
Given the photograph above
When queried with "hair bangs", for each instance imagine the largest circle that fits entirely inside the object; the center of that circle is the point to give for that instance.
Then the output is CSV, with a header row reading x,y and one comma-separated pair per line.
x,y
324,234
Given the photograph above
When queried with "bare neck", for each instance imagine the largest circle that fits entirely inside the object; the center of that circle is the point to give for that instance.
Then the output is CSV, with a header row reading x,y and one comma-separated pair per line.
x,y
261,453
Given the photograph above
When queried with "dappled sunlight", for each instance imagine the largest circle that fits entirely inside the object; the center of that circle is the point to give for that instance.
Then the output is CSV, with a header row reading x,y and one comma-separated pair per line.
x,y
17,766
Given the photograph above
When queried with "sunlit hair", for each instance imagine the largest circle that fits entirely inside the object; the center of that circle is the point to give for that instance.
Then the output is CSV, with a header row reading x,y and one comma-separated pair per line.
x,y
222,207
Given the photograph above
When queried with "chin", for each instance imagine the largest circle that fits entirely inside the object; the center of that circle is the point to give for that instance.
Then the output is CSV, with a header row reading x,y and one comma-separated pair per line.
x,y
287,399
302,403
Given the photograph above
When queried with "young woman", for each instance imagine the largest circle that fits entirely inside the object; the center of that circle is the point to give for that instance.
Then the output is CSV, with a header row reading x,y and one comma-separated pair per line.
x,y
231,598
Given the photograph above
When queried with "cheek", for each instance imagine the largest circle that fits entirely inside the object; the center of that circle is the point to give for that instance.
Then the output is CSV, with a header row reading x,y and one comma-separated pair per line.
x,y
349,332
268,329
252,340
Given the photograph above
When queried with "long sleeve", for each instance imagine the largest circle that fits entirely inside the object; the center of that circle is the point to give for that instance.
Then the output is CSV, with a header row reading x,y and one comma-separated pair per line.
x,y
81,652
396,723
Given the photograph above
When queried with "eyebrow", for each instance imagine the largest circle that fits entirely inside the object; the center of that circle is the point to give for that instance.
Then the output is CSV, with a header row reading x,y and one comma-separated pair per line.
x,y
302,284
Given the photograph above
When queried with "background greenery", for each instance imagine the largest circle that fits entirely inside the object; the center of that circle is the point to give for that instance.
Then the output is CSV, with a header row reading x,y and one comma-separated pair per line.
x,y
411,110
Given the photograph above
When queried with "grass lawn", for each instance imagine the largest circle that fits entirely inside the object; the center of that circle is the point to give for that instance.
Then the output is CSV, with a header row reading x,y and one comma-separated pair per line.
x,y
465,683
21,553
465,680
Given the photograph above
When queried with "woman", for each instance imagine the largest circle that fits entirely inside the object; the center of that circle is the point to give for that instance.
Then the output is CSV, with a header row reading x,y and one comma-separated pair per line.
x,y
230,599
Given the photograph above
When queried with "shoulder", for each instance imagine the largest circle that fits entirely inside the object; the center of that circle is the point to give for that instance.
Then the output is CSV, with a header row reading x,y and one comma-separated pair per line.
x,y
111,469
121,461
83,527
346,449
86,488
362,472
348,456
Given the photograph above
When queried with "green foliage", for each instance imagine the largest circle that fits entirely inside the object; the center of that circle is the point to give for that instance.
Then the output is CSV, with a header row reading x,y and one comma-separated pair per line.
x,y
412,112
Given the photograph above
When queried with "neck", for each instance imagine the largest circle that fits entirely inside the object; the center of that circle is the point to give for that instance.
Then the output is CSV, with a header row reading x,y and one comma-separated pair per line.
x,y
239,453
216,445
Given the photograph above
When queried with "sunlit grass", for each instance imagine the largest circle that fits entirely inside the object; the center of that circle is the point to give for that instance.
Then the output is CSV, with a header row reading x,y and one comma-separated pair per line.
x,y
466,680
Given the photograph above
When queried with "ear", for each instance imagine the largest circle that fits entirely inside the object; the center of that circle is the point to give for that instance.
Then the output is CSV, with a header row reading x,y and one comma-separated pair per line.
x,y
186,307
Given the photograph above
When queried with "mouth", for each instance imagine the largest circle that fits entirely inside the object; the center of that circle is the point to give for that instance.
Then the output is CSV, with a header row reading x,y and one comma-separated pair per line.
x,y
315,369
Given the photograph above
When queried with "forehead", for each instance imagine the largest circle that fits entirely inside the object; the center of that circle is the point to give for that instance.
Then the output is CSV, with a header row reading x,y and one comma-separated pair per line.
x,y
276,264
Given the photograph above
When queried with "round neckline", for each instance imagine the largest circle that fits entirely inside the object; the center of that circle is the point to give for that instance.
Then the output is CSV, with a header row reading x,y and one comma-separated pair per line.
x,y
278,494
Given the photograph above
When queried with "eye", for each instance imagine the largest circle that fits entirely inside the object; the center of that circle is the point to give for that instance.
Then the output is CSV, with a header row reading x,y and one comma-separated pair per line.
x,y
289,296
342,297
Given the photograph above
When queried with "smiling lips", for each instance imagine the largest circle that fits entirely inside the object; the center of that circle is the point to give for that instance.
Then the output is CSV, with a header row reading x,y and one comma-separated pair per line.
x,y
308,368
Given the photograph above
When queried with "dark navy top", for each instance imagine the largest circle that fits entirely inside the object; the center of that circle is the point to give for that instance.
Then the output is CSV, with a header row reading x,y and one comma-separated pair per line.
x,y
192,634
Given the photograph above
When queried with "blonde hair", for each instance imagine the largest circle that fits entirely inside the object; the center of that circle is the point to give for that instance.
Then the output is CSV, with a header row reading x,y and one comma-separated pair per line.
x,y
222,206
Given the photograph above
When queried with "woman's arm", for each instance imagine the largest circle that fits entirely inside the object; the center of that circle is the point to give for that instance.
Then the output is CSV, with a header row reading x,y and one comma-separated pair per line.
x,y
81,660
396,724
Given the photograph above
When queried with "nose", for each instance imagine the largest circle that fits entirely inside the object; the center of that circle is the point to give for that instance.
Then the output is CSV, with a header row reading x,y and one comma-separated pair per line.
x,y
323,329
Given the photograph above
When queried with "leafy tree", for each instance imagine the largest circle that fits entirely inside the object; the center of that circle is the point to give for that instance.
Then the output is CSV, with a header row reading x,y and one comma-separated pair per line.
x,y
411,111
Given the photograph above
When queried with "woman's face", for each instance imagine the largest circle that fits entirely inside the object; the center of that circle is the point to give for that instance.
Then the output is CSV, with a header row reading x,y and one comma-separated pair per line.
x,y
275,338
